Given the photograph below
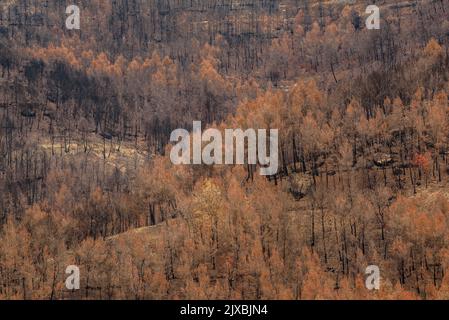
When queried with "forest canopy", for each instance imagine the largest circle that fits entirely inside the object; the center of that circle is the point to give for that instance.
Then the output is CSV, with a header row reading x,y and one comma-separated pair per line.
x,y
86,178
